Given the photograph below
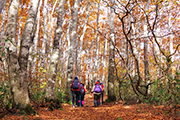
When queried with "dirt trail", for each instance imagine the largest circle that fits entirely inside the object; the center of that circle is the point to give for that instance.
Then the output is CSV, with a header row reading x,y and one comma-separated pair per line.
x,y
107,111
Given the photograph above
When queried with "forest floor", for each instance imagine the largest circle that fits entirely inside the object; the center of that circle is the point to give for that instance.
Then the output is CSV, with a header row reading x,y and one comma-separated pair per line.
x,y
106,111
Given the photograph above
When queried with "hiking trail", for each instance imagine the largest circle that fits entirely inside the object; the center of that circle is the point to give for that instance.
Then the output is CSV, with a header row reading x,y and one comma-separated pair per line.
x,y
107,111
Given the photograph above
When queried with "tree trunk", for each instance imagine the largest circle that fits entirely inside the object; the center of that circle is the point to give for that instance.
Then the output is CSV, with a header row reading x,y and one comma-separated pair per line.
x,y
45,38
111,93
146,63
2,37
26,41
2,4
34,48
157,51
12,61
71,49
52,71
97,43
17,67
104,61
79,60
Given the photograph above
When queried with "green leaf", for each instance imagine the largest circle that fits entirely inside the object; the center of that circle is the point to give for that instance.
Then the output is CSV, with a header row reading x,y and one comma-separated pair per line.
x,y
6,40
3,54
168,59
163,93
7,49
177,73
119,119
152,99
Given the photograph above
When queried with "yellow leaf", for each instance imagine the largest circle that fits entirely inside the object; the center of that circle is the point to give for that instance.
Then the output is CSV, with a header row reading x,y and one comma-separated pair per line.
x,y
173,70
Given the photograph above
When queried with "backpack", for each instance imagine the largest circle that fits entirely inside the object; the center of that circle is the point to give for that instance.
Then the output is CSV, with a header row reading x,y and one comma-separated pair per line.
x,y
97,88
75,84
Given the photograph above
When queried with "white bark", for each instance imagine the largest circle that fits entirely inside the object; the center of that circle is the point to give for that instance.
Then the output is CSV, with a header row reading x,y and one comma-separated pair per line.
x,y
170,29
2,37
111,93
91,72
104,60
157,51
69,27
50,36
2,4
97,43
34,47
18,74
52,71
45,38
3,26
12,61
146,48
71,48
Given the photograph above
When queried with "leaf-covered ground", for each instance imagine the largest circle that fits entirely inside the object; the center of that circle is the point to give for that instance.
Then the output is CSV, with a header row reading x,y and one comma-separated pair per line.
x,y
107,111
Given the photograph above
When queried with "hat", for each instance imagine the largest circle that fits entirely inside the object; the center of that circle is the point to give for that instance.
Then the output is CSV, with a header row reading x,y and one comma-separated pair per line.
x,y
76,78
97,82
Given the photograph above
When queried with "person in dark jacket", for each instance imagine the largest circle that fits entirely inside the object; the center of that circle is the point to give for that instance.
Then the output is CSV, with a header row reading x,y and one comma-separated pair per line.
x,y
75,91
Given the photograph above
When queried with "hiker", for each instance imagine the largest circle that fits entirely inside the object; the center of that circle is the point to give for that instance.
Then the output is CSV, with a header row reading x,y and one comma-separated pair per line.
x,y
76,93
102,92
83,90
97,93
82,97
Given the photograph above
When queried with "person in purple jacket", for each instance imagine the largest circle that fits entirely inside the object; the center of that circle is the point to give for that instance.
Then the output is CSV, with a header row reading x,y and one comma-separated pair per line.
x,y
97,94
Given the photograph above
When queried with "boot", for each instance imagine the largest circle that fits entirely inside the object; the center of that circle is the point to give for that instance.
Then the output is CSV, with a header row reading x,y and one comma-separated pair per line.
x,y
95,103
82,103
98,102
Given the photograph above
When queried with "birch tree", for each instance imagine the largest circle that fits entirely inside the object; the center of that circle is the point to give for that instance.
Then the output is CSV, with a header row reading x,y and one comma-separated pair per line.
x,y
79,61
45,35
95,77
17,66
70,65
3,24
146,63
104,60
111,93
34,48
2,4
52,71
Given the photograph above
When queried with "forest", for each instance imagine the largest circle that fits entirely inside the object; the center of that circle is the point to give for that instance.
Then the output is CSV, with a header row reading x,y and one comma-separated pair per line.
x,y
131,46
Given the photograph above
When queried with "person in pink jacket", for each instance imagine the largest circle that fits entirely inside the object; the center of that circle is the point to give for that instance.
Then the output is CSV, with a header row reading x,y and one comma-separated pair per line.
x,y
83,92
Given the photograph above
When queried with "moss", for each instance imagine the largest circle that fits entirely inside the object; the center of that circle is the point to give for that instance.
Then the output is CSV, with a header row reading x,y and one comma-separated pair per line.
x,y
53,104
107,100
28,110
